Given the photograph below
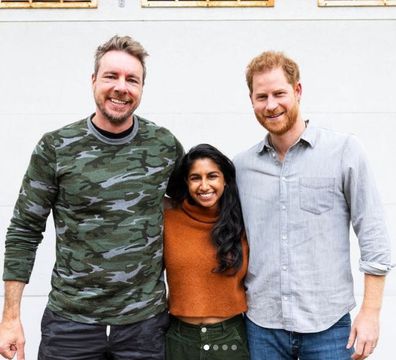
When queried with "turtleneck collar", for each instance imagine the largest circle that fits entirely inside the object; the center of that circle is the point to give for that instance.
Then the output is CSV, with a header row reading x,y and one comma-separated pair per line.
x,y
200,213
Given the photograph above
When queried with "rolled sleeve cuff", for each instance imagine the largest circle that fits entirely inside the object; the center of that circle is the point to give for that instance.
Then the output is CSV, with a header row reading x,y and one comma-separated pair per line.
x,y
374,268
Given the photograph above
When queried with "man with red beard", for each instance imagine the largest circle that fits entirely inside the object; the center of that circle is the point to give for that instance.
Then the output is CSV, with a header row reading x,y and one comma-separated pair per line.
x,y
301,188
104,179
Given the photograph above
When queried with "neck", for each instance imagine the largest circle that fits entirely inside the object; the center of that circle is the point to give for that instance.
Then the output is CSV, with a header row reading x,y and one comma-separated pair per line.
x,y
200,213
106,125
282,143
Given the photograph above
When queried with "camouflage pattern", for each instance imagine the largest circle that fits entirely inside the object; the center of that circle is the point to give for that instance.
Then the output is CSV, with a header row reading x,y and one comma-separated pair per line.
x,y
106,199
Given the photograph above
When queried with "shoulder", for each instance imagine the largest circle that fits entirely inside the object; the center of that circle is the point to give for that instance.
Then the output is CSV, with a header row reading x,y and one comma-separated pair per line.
x,y
326,136
172,213
149,128
345,146
248,154
63,136
73,131
159,136
75,128
174,217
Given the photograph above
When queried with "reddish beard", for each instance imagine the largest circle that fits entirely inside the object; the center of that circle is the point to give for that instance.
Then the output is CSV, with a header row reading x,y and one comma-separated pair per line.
x,y
290,119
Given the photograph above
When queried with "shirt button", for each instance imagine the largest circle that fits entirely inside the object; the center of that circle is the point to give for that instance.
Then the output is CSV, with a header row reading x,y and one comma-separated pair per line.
x,y
284,237
285,298
284,268
283,207
283,178
206,347
204,329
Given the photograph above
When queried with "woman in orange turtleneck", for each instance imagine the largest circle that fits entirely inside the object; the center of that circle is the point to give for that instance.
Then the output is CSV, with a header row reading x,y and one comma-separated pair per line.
x,y
205,254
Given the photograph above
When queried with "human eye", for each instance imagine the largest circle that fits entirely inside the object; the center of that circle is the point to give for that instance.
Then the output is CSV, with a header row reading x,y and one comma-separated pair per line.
x,y
194,177
133,80
109,76
213,175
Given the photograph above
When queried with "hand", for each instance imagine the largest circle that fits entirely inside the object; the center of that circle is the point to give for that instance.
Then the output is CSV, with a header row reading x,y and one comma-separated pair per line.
x,y
364,334
12,339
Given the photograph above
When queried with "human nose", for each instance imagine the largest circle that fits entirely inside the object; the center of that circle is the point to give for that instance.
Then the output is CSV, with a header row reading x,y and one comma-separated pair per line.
x,y
272,104
120,85
204,184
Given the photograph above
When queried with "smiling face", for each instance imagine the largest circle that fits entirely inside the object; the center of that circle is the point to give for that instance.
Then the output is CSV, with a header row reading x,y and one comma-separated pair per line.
x,y
117,88
205,182
275,101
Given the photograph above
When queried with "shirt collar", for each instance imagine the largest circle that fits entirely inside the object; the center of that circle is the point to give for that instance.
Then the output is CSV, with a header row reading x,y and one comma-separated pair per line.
x,y
309,136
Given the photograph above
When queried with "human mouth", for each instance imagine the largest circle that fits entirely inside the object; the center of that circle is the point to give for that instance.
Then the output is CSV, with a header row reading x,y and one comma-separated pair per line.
x,y
275,116
118,101
206,196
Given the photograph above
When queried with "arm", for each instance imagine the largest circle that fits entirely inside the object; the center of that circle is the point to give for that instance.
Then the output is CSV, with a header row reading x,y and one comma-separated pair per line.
x,y
368,222
366,211
36,198
23,236
12,339
365,328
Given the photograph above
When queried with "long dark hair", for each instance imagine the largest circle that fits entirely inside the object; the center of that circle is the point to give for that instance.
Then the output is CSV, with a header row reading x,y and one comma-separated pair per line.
x,y
228,230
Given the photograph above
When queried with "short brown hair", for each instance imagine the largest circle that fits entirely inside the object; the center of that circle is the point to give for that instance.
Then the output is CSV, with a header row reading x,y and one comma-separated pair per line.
x,y
270,60
121,43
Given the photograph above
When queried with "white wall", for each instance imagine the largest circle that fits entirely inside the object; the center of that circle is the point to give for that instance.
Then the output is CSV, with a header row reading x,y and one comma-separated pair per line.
x,y
196,87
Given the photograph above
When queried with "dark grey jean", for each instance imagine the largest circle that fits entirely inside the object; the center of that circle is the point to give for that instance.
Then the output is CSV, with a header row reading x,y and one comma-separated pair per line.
x,y
63,339
221,341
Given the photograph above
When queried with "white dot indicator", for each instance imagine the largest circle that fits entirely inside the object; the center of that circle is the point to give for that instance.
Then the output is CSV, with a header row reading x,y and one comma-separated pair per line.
x,y
206,347
204,329
225,347
234,347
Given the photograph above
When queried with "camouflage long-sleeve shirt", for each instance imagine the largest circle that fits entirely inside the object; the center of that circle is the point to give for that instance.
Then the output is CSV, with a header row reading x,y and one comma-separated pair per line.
x,y
106,199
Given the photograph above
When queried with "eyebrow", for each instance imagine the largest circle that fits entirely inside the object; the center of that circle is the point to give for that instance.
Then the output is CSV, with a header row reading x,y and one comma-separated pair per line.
x,y
209,173
111,72
271,92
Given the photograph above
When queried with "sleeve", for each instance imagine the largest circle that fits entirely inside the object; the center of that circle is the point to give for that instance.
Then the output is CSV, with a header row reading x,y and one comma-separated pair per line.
x,y
174,175
179,152
37,194
367,215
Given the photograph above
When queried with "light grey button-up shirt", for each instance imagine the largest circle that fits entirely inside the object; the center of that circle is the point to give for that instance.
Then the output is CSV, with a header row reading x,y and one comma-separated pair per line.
x,y
297,215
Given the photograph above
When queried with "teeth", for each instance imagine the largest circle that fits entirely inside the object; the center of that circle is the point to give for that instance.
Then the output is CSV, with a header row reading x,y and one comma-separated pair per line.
x,y
117,101
207,195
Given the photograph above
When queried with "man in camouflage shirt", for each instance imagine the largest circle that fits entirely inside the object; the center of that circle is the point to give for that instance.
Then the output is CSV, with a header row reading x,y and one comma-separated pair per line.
x,y
104,179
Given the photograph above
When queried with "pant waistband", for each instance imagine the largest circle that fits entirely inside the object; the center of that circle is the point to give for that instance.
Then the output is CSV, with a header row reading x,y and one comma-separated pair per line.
x,y
192,329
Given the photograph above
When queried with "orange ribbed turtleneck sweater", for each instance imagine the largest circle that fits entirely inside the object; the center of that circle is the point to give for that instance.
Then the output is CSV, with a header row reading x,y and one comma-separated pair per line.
x,y
189,255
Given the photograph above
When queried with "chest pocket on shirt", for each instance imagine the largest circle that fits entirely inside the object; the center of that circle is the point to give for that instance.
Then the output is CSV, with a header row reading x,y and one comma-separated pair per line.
x,y
316,194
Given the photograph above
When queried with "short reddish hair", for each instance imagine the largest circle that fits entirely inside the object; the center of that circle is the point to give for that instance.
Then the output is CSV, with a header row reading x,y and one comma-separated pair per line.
x,y
270,60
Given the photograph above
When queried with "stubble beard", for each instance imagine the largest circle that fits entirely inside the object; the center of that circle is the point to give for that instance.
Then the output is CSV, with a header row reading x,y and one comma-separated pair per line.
x,y
115,120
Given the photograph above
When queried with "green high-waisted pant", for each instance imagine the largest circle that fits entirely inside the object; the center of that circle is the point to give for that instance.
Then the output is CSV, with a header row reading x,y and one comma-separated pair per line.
x,y
221,341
